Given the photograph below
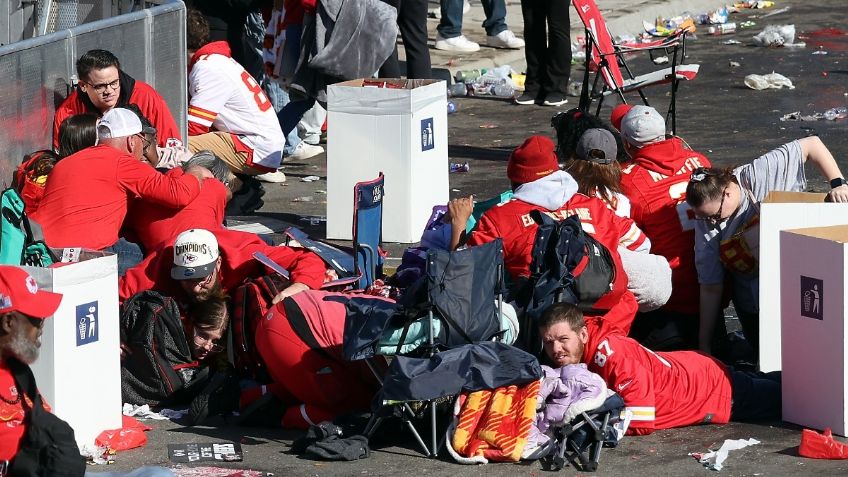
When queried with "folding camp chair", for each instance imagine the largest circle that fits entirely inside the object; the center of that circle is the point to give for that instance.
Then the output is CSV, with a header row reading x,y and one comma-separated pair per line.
x,y
580,441
607,58
359,267
459,290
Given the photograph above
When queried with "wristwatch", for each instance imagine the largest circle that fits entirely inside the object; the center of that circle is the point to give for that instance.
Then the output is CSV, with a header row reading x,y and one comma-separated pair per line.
x,y
839,181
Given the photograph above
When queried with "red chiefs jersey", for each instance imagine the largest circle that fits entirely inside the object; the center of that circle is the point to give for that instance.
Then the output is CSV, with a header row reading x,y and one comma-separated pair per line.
x,y
655,182
133,91
511,221
150,225
662,389
237,264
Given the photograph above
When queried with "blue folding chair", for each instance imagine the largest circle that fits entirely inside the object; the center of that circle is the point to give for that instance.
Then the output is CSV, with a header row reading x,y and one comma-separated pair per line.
x,y
368,230
359,267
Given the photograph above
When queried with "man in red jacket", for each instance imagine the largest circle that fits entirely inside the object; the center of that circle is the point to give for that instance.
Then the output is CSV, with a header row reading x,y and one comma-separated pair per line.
x,y
85,201
540,185
661,390
23,309
103,86
655,182
201,263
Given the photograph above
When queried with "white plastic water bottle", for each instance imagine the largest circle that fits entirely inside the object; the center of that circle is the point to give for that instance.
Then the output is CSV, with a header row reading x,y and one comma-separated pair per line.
x,y
503,90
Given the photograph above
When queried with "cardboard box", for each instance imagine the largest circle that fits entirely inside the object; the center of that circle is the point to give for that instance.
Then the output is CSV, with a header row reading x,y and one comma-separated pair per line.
x,y
782,211
78,370
400,130
812,317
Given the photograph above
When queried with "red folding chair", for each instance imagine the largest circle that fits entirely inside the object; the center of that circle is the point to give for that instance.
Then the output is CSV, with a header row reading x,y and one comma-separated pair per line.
x,y
607,60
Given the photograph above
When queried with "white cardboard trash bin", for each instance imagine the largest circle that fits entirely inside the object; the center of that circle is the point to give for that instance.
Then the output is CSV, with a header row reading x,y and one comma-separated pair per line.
x,y
401,130
782,211
814,291
78,370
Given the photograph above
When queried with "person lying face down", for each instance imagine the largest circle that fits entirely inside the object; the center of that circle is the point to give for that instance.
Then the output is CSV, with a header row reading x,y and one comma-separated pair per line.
x,y
662,390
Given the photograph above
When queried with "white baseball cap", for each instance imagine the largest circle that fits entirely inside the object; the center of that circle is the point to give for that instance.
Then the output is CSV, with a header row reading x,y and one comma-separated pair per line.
x,y
643,125
118,122
195,255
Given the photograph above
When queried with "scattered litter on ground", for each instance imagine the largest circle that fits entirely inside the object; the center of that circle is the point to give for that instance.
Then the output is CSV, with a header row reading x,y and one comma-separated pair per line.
x,y
97,455
820,52
778,35
321,191
821,446
754,4
722,29
459,167
713,460
310,179
830,115
734,64
205,451
313,219
732,42
660,60
302,199
217,472
772,80
776,12
488,126
144,412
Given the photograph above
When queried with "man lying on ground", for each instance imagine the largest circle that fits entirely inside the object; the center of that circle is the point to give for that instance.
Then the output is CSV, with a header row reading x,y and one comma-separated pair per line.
x,y
662,390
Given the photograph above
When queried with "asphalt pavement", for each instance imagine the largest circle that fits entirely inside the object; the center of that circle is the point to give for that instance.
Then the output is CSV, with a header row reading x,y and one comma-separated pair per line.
x,y
717,115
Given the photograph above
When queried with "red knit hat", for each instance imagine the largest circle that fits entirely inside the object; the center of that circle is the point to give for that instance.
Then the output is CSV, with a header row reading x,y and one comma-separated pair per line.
x,y
618,114
532,160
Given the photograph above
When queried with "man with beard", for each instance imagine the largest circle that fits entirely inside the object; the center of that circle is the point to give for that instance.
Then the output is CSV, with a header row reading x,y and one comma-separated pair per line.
x,y
23,308
213,264
662,390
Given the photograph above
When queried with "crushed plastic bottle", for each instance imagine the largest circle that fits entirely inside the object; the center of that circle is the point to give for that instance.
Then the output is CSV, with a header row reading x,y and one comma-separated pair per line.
x,y
457,90
451,107
503,90
836,113
723,29
459,167
574,88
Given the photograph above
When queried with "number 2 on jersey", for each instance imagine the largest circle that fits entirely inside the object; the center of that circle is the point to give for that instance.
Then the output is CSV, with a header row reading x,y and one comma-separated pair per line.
x,y
684,212
259,96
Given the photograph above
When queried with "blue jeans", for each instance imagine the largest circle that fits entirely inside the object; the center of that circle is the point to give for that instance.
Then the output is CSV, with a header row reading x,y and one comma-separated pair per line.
x,y
292,113
279,99
129,255
451,24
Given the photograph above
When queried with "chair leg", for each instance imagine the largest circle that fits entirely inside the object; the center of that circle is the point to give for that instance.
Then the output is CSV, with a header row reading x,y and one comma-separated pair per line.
x,y
433,437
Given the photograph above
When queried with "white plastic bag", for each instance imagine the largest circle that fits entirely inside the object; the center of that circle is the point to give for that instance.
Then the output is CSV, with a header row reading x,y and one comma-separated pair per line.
x,y
772,80
776,35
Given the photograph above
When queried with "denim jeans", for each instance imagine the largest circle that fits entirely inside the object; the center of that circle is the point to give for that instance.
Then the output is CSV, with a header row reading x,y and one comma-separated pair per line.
x,y
129,255
279,98
451,24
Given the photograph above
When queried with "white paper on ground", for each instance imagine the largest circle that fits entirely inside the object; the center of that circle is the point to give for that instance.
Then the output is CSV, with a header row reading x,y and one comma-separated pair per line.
x,y
713,460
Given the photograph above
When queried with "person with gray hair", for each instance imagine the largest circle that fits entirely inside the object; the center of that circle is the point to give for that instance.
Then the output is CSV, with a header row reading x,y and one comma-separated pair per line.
x,y
150,226
86,199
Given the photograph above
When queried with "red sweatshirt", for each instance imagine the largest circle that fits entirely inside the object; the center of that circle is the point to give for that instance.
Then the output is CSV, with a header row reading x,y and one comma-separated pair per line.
x,y
663,389
237,265
151,104
150,225
656,184
86,198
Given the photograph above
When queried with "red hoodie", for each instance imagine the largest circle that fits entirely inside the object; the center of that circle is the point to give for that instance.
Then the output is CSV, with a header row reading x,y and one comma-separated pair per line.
x,y
237,264
511,221
663,389
656,183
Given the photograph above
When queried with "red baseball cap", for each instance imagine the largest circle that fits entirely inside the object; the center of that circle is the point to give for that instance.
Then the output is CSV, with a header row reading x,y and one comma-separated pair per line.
x,y
618,114
19,292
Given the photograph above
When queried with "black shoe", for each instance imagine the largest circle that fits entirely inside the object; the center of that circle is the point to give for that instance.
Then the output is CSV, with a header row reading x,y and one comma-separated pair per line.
x,y
220,396
555,99
526,99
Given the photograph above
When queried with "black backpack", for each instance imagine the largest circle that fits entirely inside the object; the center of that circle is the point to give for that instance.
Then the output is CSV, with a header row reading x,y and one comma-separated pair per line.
x,y
558,249
159,369
48,448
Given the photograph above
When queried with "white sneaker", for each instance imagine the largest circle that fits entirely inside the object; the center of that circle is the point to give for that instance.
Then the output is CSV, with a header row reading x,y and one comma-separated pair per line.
x,y
305,151
276,177
505,39
458,44
466,7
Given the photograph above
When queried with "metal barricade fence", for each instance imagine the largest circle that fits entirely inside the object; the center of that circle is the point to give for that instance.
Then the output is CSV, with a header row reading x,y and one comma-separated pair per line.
x,y
37,73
